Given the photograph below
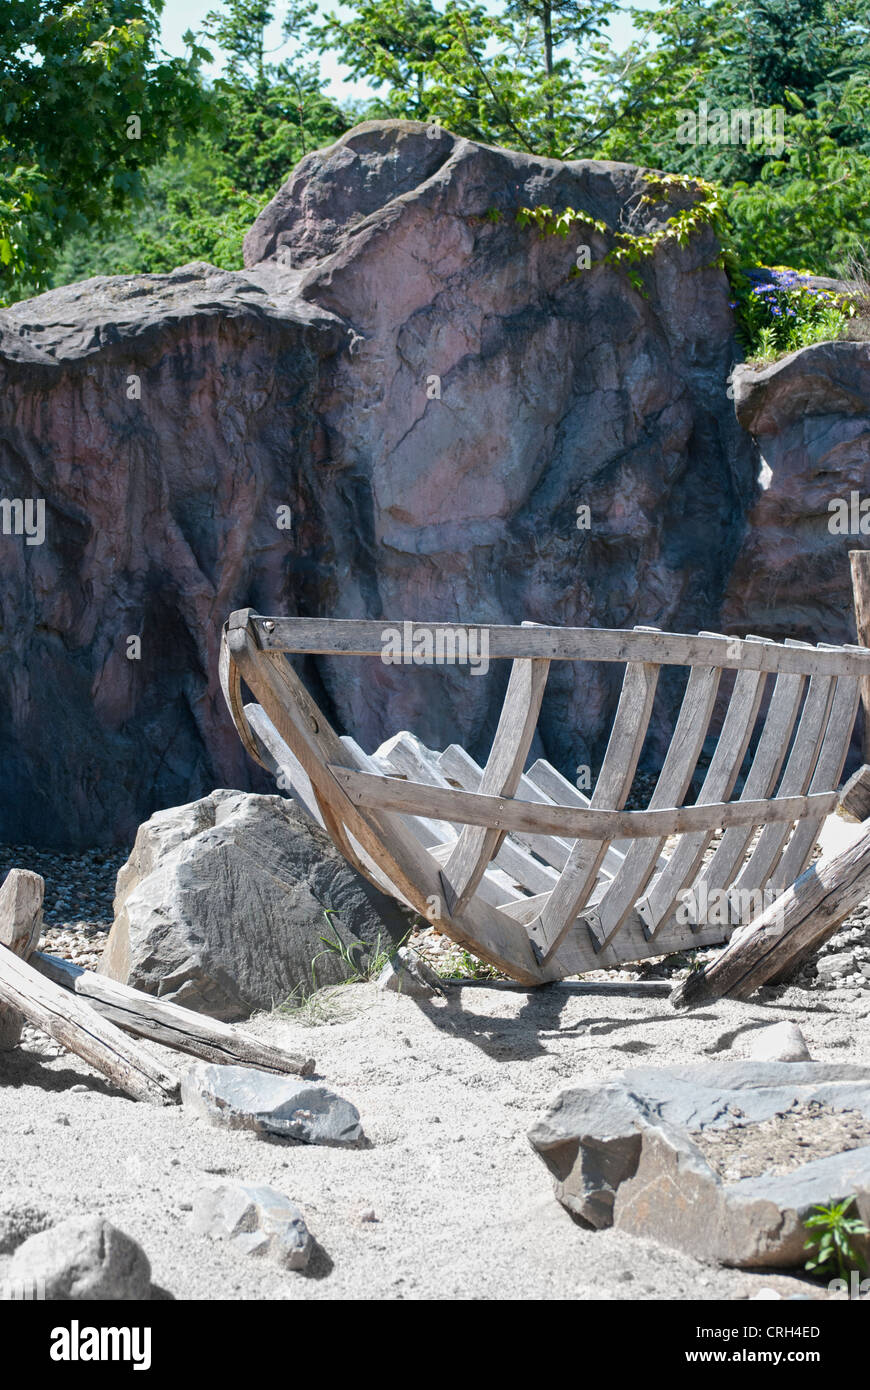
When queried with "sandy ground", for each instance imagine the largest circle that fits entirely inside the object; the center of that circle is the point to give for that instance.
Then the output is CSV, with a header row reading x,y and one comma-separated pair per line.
x,y
446,1091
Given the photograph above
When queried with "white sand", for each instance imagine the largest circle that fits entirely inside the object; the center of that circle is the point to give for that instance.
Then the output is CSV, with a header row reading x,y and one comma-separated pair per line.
x,y
446,1092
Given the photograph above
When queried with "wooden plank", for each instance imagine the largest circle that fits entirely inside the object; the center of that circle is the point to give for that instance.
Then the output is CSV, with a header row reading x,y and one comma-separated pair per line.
x,y
806,913
611,788
855,796
828,772
406,754
795,780
555,790
680,869
513,736
761,779
498,813
683,752
460,767
859,561
363,637
146,1016
401,859
78,1028
281,760
20,926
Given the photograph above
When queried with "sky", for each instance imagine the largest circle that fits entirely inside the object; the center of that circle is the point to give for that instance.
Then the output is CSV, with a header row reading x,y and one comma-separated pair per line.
x,y
181,15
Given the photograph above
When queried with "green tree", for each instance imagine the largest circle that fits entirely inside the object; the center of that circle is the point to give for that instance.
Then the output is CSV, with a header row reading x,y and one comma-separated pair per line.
x,y
203,196
89,104
523,76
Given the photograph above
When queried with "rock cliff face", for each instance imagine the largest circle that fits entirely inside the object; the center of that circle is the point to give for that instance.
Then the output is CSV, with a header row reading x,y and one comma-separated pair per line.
x,y
810,417
430,393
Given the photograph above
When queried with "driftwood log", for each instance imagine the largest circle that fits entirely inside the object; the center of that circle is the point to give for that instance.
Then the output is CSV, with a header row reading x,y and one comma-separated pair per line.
x,y
169,1024
76,1026
796,924
20,926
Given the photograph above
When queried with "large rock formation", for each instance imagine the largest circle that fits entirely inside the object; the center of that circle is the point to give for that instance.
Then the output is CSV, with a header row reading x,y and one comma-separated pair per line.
x,y
810,416
430,392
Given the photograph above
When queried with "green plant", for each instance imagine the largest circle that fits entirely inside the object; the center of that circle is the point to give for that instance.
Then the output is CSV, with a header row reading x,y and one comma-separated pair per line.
x,y
464,966
779,311
630,249
831,1240
361,965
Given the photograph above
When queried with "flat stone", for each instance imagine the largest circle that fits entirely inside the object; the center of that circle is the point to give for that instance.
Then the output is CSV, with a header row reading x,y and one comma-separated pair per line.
x,y
782,1042
257,1220
84,1257
407,973
623,1154
244,1098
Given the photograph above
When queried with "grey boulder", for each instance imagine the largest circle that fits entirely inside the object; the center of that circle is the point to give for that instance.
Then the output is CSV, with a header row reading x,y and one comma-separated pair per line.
x,y
623,1154
244,1098
84,1257
258,1220
222,907
782,1042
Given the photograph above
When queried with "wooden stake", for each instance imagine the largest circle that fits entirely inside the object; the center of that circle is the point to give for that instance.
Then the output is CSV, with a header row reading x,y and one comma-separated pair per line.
x,y
860,563
801,919
20,927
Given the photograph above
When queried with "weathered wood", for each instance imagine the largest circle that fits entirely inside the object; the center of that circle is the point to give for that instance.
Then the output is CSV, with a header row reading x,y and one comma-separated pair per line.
x,y
854,802
828,771
513,736
611,788
145,1016
501,813
398,853
795,781
687,856
281,761
760,782
20,926
76,1026
859,561
362,637
804,915
461,768
684,749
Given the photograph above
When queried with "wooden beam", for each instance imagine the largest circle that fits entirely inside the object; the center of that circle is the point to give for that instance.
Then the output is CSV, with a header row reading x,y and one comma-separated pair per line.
x,y
78,1028
502,813
855,796
860,564
800,919
20,928
148,1017
363,637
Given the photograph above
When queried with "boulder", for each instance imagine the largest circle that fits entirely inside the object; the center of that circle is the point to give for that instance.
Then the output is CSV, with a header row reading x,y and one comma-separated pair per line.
x,y
809,414
432,394
782,1042
257,1220
84,1257
224,904
627,1153
244,1098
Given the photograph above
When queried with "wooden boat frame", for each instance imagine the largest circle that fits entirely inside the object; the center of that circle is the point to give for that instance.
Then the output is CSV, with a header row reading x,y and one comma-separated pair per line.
x,y
520,867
